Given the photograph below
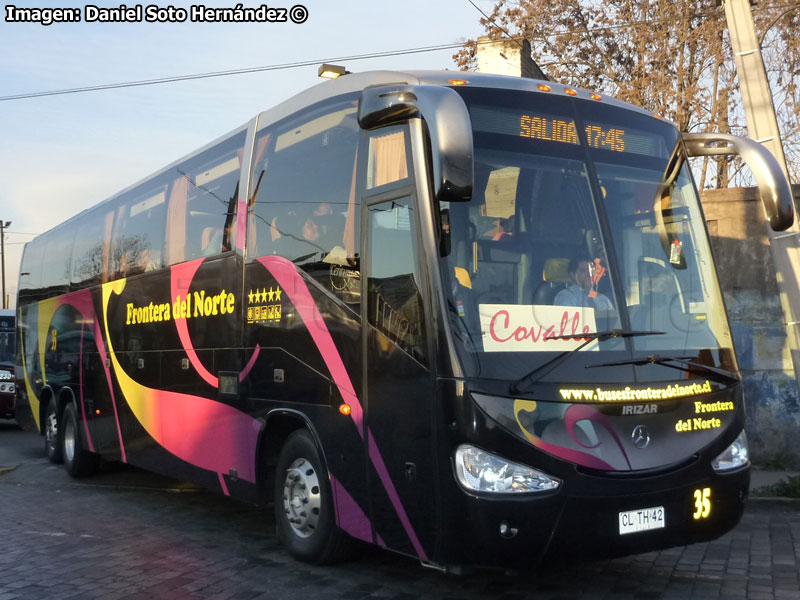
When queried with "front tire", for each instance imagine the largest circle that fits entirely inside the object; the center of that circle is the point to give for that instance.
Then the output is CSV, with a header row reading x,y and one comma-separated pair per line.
x,y
303,502
77,461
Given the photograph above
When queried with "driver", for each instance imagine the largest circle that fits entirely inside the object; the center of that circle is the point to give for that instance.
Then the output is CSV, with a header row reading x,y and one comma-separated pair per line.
x,y
582,292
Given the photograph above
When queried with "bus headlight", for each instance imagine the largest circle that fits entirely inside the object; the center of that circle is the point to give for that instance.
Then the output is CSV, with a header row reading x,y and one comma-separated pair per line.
x,y
482,471
736,455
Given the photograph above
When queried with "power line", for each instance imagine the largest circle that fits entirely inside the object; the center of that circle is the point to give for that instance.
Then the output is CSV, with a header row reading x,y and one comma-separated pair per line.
x,y
278,67
306,63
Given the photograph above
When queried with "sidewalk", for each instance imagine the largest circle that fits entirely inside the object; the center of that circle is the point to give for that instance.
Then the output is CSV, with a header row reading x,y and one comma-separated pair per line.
x,y
761,478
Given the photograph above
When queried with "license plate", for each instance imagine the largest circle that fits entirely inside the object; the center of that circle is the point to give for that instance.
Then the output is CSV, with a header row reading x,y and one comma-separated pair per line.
x,y
644,519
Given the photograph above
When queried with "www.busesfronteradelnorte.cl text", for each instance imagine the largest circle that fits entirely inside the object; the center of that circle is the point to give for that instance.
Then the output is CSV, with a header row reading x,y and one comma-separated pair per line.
x,y
675,390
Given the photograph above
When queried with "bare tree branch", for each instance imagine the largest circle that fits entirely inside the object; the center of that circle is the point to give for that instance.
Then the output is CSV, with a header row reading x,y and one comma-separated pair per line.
x,y
673,58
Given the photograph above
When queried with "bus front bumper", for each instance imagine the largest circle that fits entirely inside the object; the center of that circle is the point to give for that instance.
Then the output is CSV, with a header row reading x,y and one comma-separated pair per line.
x,y
610,521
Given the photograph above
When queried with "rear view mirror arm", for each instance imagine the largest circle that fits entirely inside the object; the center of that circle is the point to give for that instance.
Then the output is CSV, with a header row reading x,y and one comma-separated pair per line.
x,y
773,188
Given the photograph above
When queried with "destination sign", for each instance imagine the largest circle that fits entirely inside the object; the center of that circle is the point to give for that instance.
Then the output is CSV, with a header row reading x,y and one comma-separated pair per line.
x,y
547,128
541,127
562,129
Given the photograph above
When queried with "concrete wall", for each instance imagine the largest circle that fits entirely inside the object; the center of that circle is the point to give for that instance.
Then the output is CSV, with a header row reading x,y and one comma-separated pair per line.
x,y
747,276
507,57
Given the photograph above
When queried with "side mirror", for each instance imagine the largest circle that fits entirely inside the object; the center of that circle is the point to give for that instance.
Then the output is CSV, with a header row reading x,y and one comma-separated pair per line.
x,y
775,192
449,128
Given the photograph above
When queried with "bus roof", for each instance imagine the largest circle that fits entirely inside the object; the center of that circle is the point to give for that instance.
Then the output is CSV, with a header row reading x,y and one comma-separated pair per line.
x,y
355,82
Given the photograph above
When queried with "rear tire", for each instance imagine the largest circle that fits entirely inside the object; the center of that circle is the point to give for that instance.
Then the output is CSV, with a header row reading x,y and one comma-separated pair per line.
x,y
77,461
52,437
304,516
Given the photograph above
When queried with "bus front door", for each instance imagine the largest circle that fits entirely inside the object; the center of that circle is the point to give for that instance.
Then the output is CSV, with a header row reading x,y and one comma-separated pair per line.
x,y
399,388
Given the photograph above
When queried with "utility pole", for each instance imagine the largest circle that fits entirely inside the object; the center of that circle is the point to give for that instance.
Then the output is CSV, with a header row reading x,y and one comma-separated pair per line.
x,y
762,126
3,226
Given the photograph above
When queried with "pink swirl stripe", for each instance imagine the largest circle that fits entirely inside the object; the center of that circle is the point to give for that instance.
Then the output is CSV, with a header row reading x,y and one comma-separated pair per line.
x,y
295,288
181,279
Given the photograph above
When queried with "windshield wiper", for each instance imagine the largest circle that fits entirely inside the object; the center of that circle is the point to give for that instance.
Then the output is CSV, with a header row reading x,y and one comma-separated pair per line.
x,y
588,337
688,366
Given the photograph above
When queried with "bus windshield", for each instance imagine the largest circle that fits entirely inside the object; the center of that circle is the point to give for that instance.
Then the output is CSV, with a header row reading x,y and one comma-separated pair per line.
x,y
7,337
584,218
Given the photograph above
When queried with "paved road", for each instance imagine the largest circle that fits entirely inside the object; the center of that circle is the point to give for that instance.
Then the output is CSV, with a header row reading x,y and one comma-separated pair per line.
x,y
129,534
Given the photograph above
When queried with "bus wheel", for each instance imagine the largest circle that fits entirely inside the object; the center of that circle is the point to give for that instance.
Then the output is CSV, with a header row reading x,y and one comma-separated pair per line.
x,y
52,443
78,462
303,505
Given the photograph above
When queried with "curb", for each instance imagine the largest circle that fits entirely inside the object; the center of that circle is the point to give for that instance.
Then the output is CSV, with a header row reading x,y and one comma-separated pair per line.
x,y
773,499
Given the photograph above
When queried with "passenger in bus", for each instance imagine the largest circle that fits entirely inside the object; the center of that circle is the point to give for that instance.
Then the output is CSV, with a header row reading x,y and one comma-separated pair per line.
x,y
331,225
310,230
299,237
324,228
319,233
579,292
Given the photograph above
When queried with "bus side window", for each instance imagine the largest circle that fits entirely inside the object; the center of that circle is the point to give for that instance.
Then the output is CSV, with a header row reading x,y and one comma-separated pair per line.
x,y
55,265
395,302
31,272
92,248
203,200
387,161
138,235
304,206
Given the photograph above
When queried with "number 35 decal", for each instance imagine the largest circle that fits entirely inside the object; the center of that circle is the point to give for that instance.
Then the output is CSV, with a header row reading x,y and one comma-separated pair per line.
x,y
702,503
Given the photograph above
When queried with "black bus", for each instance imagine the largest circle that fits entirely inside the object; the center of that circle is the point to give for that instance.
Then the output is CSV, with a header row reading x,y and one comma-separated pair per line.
x,y
472,321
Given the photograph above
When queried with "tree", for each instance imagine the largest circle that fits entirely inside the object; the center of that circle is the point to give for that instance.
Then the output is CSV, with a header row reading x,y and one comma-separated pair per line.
x,y
673,58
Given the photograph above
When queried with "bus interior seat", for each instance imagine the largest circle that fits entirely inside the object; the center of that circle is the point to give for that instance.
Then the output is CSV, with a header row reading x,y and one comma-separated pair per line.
x,y
499,273
555,277
206,237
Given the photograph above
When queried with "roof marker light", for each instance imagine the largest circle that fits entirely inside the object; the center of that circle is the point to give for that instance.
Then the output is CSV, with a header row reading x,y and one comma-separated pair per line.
x,y
570,92
544,87
594,96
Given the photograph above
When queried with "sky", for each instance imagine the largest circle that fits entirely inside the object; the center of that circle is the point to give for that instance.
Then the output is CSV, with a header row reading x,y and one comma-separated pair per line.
x,y
61,154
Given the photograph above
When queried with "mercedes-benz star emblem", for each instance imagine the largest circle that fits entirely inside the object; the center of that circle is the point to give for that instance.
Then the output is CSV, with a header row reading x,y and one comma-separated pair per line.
x,y
640,436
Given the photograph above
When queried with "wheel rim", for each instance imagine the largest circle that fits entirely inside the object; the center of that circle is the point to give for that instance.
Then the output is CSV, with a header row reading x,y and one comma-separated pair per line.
x,y
51,431
301,497
69,441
